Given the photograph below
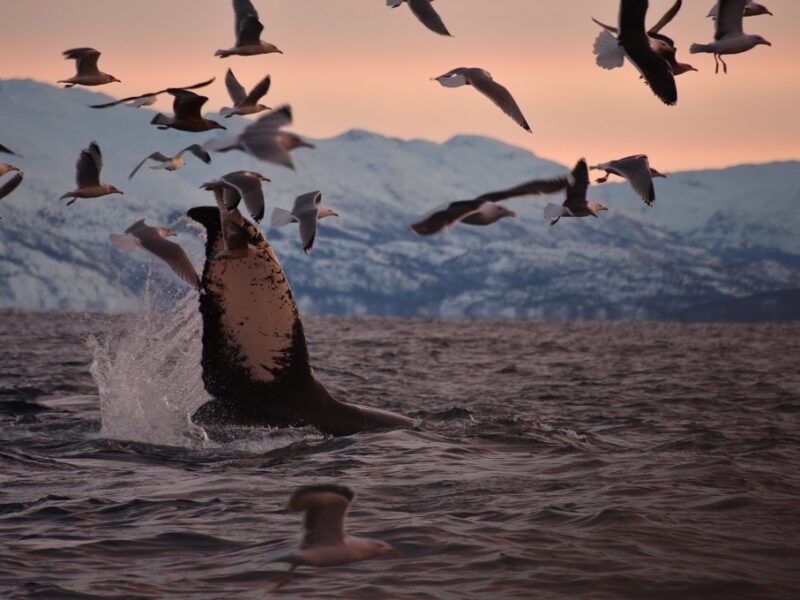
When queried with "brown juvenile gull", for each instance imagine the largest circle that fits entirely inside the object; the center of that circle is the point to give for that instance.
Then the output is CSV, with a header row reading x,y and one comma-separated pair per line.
x,y
247,29
187,107
86,65
5,150
482,81
306,212
244,103
637,170
729,37
325,543
575,204
173,163
751,9
424,11
152,239
264,139
611,56
149,98
238,186
87,170
485,209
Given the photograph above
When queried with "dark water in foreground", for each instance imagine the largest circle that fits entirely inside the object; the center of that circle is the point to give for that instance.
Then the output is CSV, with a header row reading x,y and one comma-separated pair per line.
x,y
581,460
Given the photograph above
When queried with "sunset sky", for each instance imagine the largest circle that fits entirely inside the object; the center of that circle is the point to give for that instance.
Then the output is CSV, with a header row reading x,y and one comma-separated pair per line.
x,y
358,64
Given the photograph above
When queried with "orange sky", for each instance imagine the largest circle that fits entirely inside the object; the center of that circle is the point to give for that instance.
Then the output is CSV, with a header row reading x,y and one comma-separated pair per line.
x,y
357,63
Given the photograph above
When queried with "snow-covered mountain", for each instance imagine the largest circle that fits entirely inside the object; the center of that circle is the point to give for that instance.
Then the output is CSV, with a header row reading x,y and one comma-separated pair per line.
x,y
712,237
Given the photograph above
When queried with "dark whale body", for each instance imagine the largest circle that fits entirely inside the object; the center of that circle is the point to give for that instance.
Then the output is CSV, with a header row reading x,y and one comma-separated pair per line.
x,y
255,360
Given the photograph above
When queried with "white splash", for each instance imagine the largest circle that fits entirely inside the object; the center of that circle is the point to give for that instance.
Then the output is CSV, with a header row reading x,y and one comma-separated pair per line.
x,y
148,374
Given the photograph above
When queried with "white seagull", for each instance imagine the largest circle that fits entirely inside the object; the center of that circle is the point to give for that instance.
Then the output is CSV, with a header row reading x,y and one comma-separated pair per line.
x,y
637,170
575,205
482,81
729,37
325,543
87,176
424,11
173,163
152,239
86,66
244,103
306,212
247,29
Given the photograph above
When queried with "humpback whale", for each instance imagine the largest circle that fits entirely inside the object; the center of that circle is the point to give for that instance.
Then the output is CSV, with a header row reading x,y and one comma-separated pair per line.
x,y
254,359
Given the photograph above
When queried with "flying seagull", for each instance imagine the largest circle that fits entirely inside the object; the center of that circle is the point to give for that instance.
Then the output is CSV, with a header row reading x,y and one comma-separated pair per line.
x,y
152,239
575,204
482,81
637,45
247,29
751,9
424,11
637,170
232,224
325,543
86,66
87,177
244,103
729,37
306,212
611,56
12,184
264,139
149,98
238,186
187,107
485,209
8,151
173,163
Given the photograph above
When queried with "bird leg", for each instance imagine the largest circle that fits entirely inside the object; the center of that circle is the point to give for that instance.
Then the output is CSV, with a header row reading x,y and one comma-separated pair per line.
x,y
724,65
716,64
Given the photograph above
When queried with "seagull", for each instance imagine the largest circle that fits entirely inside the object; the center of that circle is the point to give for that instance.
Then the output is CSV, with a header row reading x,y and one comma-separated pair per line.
x,y
187,106
325,543
173,163
244,103
88,168
232,223
637,170
424,11
729,37
152,239
12,184
248,32
86,65
264,139
575,204
238,186
482,81
149,98
484,210
7,168
635,43
306,211
611,56
8,151
751,9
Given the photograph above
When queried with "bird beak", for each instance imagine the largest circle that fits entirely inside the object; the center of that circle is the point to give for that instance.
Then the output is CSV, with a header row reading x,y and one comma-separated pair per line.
x,y
511,213
767,43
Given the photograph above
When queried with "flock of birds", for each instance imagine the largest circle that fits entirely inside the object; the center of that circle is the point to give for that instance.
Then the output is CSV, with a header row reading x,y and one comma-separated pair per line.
x,y
650,51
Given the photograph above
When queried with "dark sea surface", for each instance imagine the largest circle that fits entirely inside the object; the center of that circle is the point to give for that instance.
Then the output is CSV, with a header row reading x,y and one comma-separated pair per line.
x,y
552,460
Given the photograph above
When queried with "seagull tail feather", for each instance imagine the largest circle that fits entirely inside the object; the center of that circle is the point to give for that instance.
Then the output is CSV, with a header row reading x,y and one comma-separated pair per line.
x,y
696,48
280,217
608,51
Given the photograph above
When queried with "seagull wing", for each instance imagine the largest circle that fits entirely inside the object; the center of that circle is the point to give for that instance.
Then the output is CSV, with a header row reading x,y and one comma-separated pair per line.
x,y
116,102
729,22
87,169
442,218
86,60
171,253
325,507
482,82
236,237
154,156
235,89
576,191
187,105
258,91
427,15
667,18
249,188
537,187
199,152
7,150
636,169
259,139
309,201
634,40
250,29
10,185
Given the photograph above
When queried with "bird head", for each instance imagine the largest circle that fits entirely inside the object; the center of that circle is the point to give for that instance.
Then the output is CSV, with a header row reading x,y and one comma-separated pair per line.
x,y
596,207
113,79
656,173
271,48
682,68
501,211
326,212
761,40
114,190
166,232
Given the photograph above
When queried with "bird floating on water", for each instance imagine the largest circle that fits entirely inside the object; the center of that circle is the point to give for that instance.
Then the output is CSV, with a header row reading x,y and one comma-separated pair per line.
x,y
482,81
247,29
152,239
424,11
149,98
186,106
729,36
238,186
637,170
575,205
87,176
173,163
86,66
244,103
307,210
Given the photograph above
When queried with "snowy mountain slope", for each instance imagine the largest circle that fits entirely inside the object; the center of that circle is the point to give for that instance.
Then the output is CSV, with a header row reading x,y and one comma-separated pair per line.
x,y
711,235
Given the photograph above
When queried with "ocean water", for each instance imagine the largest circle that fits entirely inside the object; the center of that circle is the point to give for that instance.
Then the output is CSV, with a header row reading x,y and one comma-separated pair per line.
x,y
551,460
